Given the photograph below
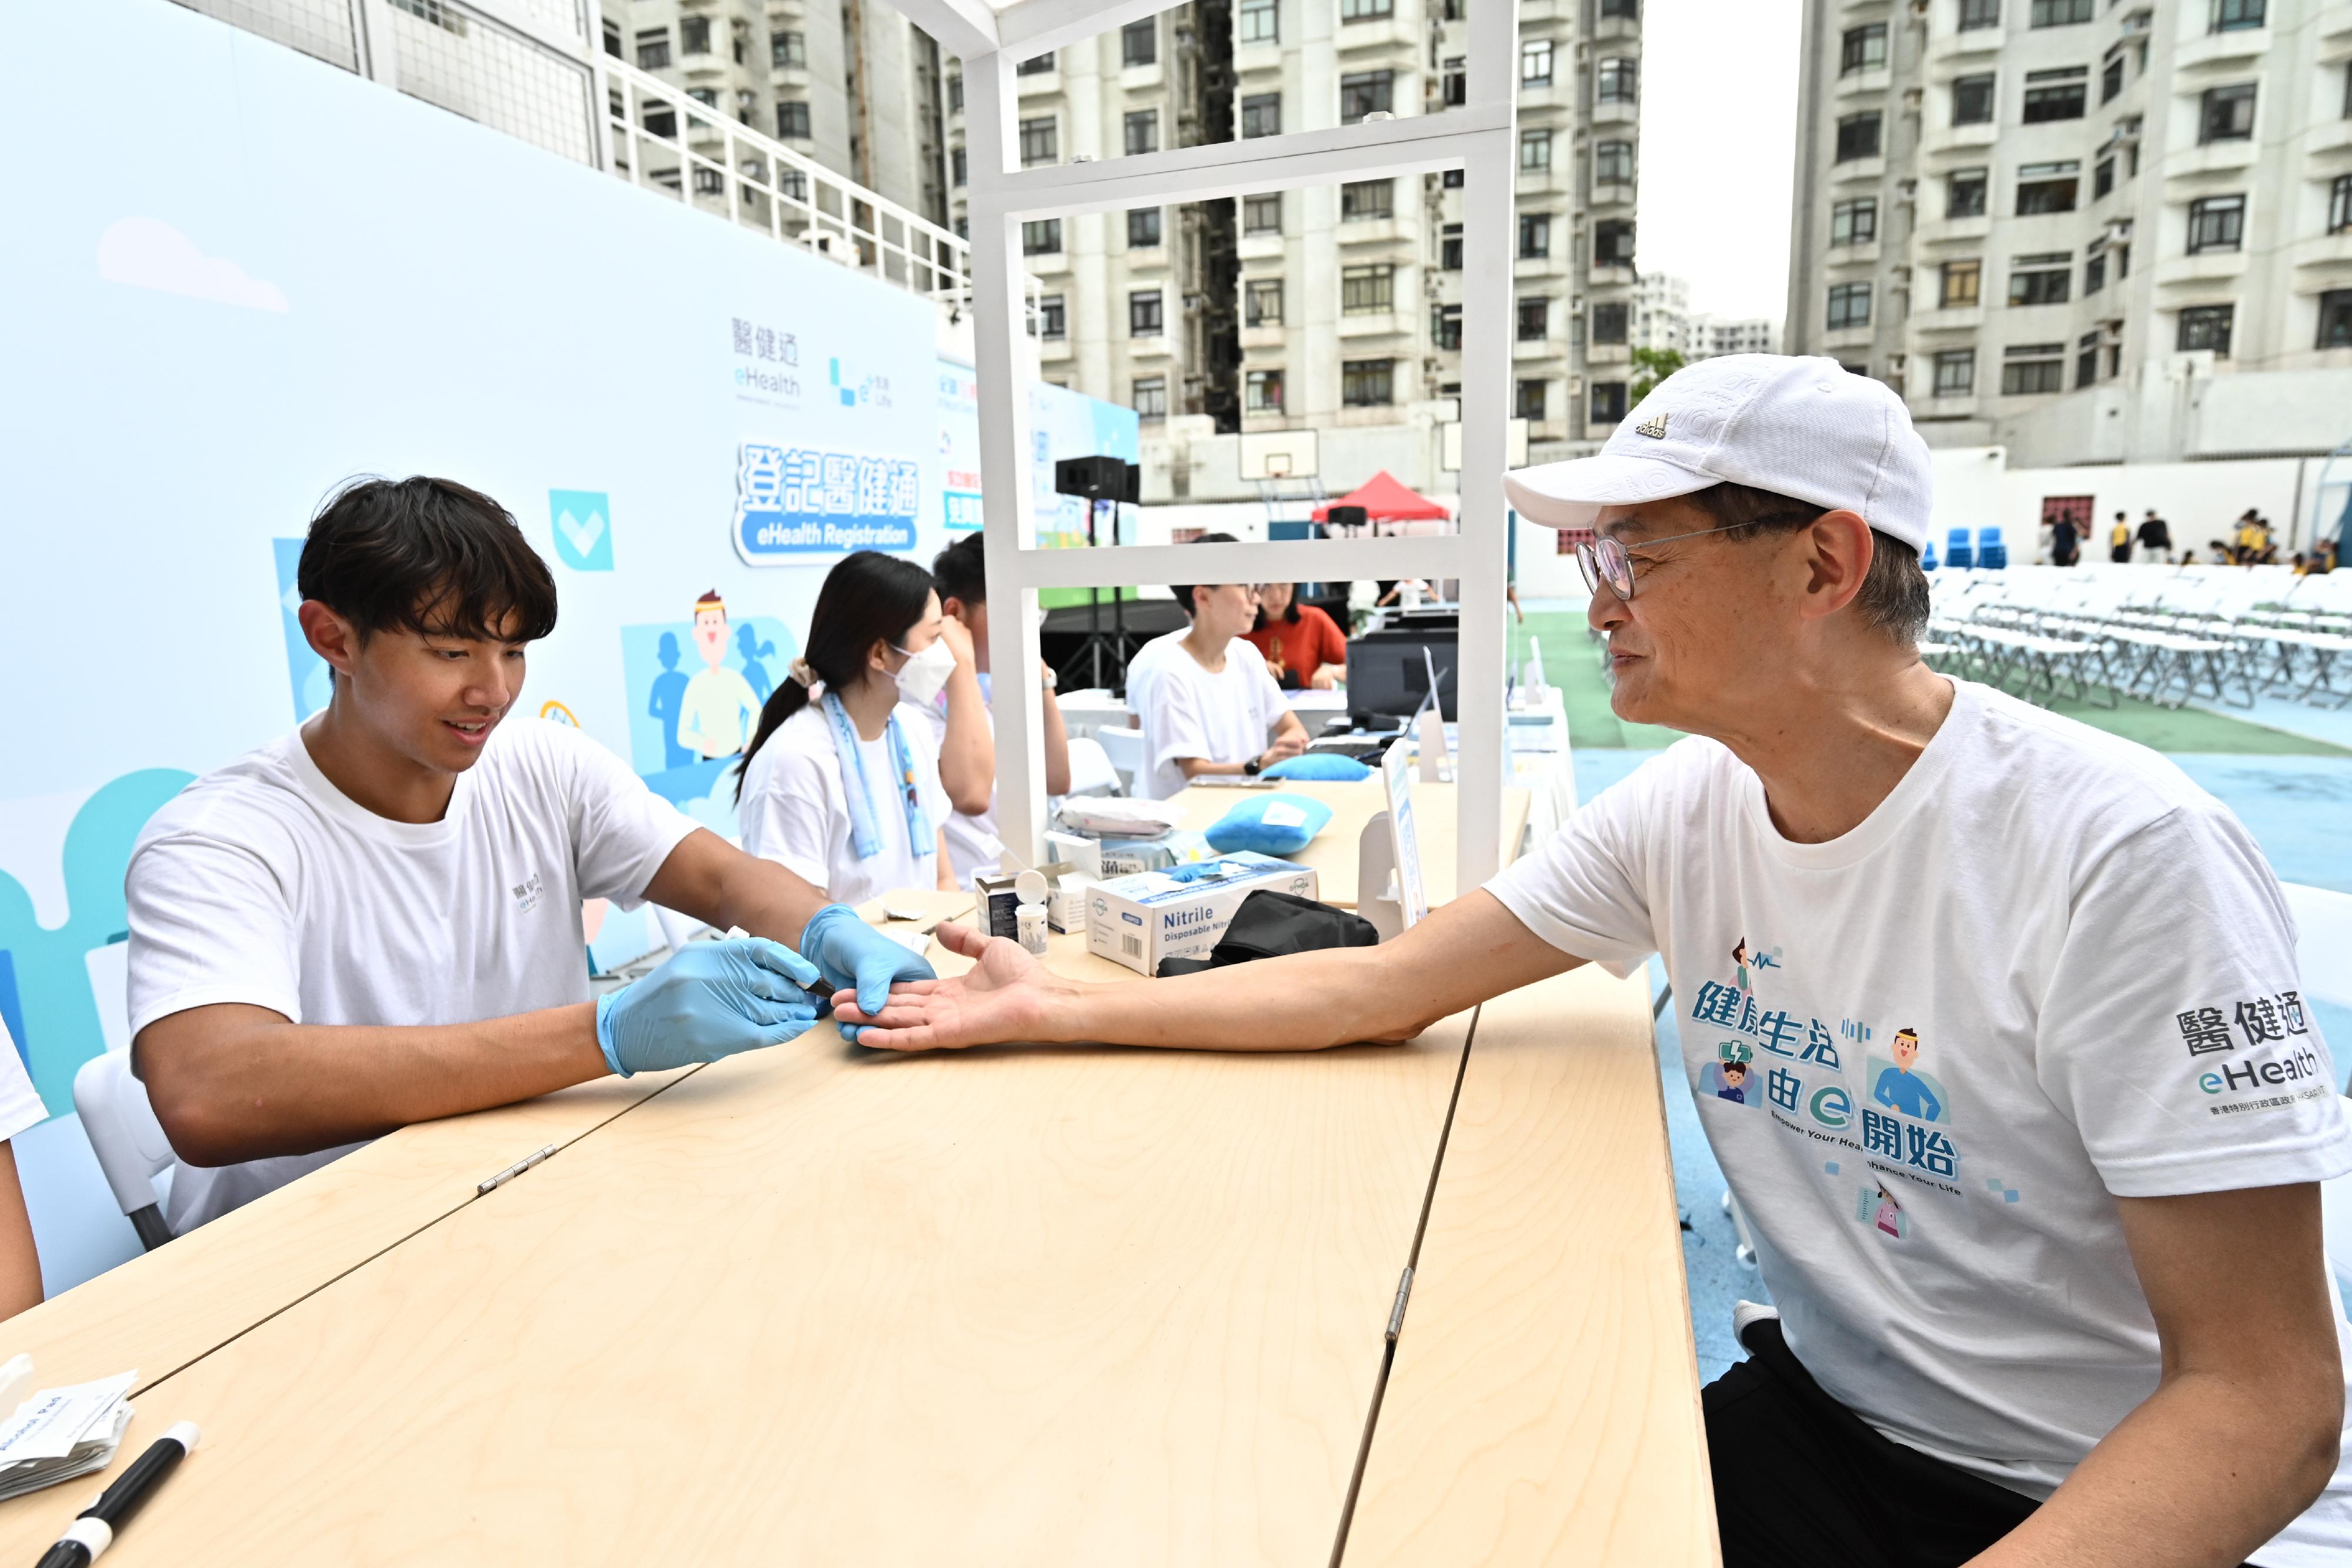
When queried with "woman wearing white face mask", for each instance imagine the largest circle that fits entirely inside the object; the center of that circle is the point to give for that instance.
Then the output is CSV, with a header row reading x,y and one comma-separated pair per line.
x,y
842,780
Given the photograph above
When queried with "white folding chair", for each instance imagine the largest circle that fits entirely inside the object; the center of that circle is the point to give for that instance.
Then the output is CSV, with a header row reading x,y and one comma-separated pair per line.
x,y
677,929
2323,937
1091,770
129,1142
1124,746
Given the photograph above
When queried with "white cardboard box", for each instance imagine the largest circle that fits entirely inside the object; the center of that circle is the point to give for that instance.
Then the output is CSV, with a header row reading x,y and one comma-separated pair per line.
x,y
1179,912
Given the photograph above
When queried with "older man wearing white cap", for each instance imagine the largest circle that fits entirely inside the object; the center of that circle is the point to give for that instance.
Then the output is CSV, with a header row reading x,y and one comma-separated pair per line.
x,y
2029,1113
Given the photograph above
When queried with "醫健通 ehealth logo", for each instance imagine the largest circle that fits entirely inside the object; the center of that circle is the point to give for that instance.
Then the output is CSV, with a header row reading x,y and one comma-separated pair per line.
x,y
527,894
2260,1019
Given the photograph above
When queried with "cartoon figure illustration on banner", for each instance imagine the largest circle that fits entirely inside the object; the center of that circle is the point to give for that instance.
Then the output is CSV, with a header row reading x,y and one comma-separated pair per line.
x,y
753,650
1899,1087
1880,1211
1739,963
719,709
1728,1076
667,700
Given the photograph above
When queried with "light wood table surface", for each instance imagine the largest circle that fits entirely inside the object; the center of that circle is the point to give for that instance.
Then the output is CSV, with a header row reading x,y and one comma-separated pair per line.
x,y
1333,853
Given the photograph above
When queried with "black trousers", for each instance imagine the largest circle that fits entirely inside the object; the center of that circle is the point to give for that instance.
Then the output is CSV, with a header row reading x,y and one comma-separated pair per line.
x,y
1800,1481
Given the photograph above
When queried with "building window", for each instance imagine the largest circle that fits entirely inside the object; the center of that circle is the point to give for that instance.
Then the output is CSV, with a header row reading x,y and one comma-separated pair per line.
x,y
1534,62
1035,66
2095,274
2206,326
2227,113
1151,397
693,35
1535,149
1854,222
1612,242
1262,114
1142,131
2111,78
1367,383
1364,200
1972,100
1139,42
1262,302
659,120
787,51
1451,179
2057,94
1445,326
708,97
1262,214
1531,399
1964,193
1534,318
1608,402
2339,204
1366,290
1612,164
1456,81
709,182
1863,49
2217,223
2042,279
2229,15
1143,314
1041,142
1449,248
1053,317
959,166
1535,235
1142,227
1366,92
1976,13
1365,10
1956,373
1630,10
1616,83
2087,361
2103,178
1857,137
1961,283
2047,187
792,120
2029,369
1849,305
955,93
2336,319
653,50
2347,91
612,39
2057,13
1263,392
1041,236
1610,321
1261,22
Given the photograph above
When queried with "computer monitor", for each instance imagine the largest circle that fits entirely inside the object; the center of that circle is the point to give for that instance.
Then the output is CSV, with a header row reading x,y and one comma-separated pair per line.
x,y
1388,670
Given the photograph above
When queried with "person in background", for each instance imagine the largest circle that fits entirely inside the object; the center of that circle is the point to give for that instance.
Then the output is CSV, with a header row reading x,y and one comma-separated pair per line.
x,y
1303,647
20,1260
375,919
841,782
2155,537
2065,535
2119,540
961,572
2253,541
2223,552
1202,696
2301,564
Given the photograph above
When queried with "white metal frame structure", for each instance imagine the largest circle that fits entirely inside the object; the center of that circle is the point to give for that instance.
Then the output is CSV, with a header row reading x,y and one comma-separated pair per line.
x,y
1478,137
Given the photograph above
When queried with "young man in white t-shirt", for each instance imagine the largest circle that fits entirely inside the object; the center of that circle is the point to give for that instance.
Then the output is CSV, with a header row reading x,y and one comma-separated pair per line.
x,y
2036,1199
1203,697
376,919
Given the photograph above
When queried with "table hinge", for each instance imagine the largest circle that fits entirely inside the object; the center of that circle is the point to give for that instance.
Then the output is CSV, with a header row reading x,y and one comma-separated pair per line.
x,y
1396,1313
514,1170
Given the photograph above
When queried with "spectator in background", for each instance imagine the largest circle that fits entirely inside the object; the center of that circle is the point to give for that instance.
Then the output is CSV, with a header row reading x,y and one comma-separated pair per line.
x,y
2224,553
2119,540
1303,647
1202,696
2302,564
2253,541
962,573
2065,535
2155,538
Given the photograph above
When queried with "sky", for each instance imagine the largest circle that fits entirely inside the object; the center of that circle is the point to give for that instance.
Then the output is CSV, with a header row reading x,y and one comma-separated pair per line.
x,y
1718,149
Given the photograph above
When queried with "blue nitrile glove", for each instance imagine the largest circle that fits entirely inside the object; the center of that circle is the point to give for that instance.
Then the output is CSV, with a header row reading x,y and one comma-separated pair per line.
x,y
711,1000
859,959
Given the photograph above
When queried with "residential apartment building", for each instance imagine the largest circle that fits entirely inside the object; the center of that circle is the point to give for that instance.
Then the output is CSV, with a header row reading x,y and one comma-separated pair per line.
x,y
1711,334
1664,321
1338,306
2002,204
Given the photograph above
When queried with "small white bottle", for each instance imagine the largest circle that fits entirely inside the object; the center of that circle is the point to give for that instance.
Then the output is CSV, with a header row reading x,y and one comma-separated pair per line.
x,y
1031,920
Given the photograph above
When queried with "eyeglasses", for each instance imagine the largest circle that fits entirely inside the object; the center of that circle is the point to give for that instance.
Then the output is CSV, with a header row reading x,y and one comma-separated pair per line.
x,y
1607,560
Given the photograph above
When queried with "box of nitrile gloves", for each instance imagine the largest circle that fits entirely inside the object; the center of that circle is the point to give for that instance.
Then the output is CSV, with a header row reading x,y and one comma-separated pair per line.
x,y
1179,912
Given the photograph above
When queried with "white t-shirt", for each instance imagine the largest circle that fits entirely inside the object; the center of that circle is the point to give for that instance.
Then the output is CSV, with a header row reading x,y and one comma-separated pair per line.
x,y
2100,973
1185,711
795,807
20,1105
263,884
972,843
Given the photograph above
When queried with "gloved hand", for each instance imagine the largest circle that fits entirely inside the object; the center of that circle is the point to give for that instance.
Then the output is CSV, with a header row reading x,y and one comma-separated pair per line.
x,y
708,1001
857,958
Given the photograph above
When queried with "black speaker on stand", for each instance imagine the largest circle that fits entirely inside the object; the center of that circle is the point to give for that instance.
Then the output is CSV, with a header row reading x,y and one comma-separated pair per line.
x,y
1095,480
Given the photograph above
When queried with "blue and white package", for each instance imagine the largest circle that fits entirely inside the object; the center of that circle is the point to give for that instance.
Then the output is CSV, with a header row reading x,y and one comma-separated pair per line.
x,y
1179,912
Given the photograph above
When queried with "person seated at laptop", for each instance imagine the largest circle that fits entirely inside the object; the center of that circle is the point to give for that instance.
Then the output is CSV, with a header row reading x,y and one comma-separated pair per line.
x,y
1202,697
375,919
1303,647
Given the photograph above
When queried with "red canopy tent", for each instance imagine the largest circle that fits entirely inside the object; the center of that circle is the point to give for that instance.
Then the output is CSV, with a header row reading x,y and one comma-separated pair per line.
x,y
1385,498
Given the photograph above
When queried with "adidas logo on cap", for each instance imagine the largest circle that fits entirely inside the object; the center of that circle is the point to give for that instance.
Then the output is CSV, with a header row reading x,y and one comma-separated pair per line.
x,y
1654,426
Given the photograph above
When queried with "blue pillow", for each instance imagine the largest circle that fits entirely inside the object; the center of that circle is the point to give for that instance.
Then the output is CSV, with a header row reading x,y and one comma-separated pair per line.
x,y
1274,824
1320,766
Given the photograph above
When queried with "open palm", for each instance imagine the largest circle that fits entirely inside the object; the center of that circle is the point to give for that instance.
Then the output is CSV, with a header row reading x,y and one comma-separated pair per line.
x,y
1002,997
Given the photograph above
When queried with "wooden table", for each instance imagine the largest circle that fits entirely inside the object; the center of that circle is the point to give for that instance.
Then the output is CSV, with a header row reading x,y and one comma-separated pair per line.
x,y
1333,853
1019,1305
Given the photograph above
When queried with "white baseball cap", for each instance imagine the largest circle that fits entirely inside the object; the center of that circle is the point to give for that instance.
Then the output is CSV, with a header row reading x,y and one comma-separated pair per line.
x,y
1807,428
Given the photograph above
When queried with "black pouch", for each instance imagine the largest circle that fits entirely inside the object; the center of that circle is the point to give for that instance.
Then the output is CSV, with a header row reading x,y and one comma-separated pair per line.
x,y
1270,924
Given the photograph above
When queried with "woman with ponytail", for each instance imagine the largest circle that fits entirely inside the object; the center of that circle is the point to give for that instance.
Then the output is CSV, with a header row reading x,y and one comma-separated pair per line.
x,y
841,782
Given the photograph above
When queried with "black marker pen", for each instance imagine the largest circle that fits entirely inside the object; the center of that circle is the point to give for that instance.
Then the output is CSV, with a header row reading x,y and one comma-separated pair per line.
x,y
89,1536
